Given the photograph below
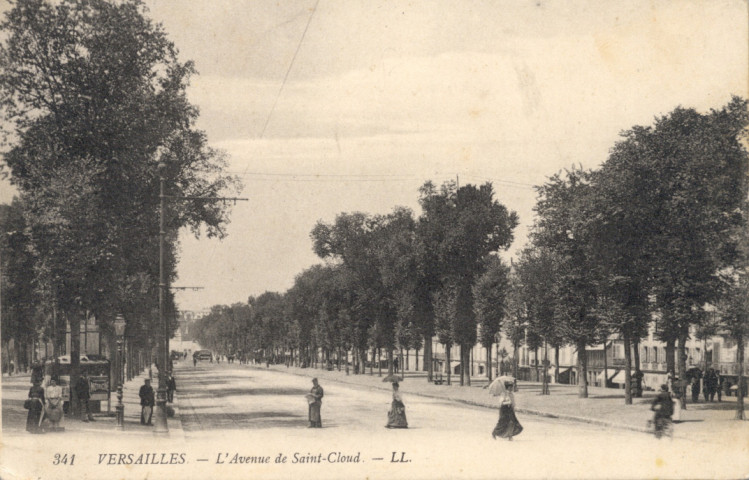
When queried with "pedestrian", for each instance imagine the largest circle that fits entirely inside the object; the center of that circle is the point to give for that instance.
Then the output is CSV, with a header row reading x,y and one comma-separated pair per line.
x,y
508,425
315,395
695,388
663,407
83,392
675,398
35,405
719,385
397,413
53,408
147,402
171,386
194,361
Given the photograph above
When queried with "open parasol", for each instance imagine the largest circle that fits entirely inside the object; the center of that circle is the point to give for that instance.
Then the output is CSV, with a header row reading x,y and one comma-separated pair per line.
x,y
392,379
497,387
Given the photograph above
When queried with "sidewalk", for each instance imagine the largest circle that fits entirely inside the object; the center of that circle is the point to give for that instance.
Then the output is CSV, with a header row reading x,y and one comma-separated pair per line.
x,y
707,422
15,389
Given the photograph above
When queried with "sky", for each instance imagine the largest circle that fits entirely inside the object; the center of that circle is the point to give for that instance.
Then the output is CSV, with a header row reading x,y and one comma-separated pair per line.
x,y
327,106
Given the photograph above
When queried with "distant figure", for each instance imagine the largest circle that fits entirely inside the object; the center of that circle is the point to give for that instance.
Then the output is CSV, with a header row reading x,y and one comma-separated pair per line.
x,y
315,420
35,404
171,386
695,388
194,361
83,392
53,409
663,407
508,425
719,385
147,402
397,413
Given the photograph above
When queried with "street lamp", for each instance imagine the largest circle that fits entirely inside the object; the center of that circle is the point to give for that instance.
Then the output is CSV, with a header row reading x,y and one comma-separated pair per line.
x,y
119,328
160,423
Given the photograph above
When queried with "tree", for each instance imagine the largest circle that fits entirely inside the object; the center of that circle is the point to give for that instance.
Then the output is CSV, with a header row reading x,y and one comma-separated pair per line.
x,y
490,304
680,184
95,98
563,208
460,226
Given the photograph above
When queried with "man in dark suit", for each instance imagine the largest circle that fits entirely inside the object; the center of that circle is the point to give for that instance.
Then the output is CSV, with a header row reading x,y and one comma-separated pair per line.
x,y
83,393
147,401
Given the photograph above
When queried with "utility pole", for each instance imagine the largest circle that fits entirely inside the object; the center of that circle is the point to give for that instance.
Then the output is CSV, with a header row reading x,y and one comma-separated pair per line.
x,y
160,416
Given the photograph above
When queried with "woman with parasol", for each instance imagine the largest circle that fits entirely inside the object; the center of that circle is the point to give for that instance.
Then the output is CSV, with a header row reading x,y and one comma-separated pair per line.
x,y
508,425
397,413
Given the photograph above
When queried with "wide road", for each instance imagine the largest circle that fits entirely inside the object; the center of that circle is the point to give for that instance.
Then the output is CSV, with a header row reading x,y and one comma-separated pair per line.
x,y
259,412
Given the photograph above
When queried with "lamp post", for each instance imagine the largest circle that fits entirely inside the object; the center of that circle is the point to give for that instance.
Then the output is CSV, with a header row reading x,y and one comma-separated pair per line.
x,y
119,328
160,422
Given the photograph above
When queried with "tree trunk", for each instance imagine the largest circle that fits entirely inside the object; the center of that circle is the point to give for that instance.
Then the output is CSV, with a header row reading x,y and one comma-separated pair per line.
x,y
545,387
605,365
400,361
515,348
428,363
535,358
75,359
449,367
628,371
682,363
391,370
416,358
379,361
670,347
637,393
556,364
468,361
489,363
582,370
462,356
742,380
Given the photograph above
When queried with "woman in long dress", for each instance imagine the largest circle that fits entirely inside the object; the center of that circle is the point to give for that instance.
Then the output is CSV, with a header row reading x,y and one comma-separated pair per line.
x,y
397,413
315,420
508,425
36,407
53,409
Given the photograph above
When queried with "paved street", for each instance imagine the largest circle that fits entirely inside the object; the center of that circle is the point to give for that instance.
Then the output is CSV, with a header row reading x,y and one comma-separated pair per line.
x,y
229,409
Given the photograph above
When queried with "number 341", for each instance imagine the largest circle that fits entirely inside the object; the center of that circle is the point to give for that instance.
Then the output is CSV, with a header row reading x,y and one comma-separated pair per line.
x,y
63,459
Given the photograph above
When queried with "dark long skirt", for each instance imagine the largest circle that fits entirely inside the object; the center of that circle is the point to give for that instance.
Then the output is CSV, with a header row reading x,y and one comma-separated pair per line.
x,y
314,415
32,419
508,425
397,415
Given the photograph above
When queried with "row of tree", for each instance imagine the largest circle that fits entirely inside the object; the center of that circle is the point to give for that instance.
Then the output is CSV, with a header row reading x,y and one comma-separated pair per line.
x,y
657,233
93,98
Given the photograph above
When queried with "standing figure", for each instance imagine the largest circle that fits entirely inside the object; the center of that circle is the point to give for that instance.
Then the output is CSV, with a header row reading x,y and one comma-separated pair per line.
x,y
397,413
171,386
53,409
35,404
147,401
315,421
672,390
84,394
663,406
695,388
508,425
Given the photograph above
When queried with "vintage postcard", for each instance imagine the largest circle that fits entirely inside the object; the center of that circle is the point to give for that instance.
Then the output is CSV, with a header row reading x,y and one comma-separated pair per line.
x,y
386,239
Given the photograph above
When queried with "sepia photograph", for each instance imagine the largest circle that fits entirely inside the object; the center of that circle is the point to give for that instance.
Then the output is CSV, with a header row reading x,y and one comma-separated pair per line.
x,y
374,239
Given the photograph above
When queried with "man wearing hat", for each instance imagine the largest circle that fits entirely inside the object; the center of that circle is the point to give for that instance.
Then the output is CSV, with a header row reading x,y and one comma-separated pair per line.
x,y
147,401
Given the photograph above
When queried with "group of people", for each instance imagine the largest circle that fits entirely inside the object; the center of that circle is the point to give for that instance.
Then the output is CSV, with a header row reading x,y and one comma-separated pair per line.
x,y
44,404
148,397
507,426
47,404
